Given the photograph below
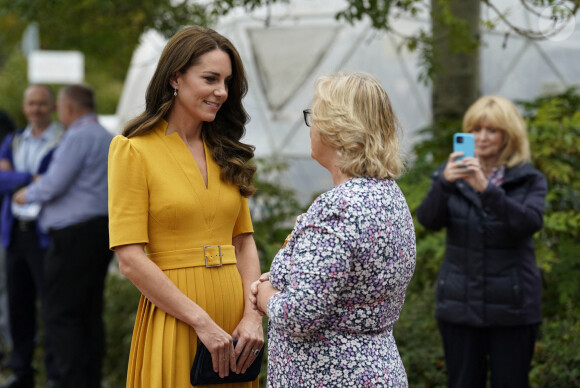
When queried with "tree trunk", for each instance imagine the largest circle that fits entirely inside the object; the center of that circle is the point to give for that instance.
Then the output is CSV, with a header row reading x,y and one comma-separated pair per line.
x,y
456,83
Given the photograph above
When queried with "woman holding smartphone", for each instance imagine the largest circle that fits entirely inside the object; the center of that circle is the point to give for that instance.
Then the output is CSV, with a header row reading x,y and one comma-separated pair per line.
x,y
488,303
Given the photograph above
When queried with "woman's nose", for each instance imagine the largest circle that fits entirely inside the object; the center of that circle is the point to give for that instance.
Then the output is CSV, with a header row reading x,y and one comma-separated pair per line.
x,y
483,133
221,90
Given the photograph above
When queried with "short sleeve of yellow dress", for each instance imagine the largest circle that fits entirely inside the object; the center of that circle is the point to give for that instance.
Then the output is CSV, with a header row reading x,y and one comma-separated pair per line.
x,y
157,197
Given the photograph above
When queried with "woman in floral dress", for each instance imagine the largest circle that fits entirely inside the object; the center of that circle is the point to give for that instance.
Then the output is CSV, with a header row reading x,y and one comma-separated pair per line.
x,y
337,287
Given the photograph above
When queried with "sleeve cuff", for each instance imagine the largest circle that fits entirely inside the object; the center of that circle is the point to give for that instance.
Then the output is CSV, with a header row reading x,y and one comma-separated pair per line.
x,y
30,194
447,186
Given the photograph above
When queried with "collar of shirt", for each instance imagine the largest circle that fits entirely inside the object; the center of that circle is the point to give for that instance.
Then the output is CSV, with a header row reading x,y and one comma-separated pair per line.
x,y
46,135
84,120
497,175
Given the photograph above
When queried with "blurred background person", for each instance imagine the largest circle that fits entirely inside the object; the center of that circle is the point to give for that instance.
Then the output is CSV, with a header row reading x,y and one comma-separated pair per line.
x,y
337,287
488,299
73,195
23,156
6,127
180,221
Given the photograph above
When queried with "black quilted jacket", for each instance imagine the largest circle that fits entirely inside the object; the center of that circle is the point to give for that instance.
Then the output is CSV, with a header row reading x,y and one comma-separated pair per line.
x,y
489,276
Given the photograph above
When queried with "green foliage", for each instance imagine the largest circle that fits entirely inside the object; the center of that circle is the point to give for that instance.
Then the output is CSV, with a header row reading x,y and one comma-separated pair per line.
x,y
274,208
554,124
378,12
430,153
416,331
11,27
121,302
223,7
107,91
554,129
13,81
418,338
107,32
556,359
459,35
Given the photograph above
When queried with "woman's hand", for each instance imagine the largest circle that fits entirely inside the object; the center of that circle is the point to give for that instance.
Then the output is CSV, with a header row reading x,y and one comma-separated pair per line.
x,y
254,291
250,336
220,345
475,177
265,291
249,332
455,169
468,169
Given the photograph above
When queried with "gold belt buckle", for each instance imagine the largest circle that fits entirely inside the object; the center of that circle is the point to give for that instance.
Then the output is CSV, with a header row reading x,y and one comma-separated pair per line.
x,y
205,255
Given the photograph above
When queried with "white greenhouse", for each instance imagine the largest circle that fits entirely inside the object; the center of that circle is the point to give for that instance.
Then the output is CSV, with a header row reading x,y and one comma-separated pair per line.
x,y
304,40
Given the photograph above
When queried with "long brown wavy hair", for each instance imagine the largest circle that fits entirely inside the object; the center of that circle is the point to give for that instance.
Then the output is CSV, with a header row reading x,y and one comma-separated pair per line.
x,y
223,134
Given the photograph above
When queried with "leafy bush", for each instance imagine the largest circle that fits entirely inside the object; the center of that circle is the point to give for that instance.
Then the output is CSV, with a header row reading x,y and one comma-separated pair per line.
x,y
274,209
418,339
416,331
554,124
556,359
13,82
121,302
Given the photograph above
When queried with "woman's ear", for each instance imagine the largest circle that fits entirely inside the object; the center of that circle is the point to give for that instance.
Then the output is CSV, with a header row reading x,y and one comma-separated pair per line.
x,y
174,80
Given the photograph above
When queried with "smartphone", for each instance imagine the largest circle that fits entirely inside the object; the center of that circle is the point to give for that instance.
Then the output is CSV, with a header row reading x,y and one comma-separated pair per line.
x,y
464,142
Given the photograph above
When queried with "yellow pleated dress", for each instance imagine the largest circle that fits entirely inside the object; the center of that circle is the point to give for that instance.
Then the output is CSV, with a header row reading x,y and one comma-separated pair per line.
x,y
157,196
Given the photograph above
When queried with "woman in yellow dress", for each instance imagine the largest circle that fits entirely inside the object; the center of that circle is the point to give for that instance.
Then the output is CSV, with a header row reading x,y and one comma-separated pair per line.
x,y
179,179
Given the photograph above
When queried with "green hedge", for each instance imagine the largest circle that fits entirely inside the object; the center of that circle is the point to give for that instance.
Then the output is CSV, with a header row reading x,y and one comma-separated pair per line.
x,y
121,301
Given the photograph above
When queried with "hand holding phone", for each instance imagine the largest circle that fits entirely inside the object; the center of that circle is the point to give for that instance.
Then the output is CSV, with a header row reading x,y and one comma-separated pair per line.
x,y
464,142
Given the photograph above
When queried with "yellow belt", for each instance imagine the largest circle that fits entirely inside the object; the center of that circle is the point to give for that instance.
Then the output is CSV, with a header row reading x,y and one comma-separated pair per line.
x,y
208,256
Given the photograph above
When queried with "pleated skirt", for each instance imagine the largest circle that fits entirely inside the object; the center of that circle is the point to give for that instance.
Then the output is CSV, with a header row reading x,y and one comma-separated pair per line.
x,y
163,348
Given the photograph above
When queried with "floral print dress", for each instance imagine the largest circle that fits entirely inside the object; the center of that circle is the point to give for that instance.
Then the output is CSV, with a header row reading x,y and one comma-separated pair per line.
x,y
343,276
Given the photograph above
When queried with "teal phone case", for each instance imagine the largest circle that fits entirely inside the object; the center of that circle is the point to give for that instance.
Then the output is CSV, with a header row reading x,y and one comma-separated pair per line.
x,y
464,142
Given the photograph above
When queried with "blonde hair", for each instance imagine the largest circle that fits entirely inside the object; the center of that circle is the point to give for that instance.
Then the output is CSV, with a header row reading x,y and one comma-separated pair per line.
x,y
500,113
353,113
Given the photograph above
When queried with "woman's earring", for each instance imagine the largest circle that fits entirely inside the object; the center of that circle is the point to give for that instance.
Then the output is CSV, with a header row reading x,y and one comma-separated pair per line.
x,y
174,92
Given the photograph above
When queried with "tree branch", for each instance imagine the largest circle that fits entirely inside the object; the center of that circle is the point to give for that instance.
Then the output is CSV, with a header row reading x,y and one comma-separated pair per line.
x,y
531,33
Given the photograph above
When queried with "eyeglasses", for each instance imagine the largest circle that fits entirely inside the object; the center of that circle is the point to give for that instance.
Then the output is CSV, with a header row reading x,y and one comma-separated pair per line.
x,y
307,118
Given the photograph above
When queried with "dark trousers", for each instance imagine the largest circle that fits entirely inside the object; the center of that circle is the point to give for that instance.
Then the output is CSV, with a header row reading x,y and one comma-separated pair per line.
x,y
469,351
75,271
24,274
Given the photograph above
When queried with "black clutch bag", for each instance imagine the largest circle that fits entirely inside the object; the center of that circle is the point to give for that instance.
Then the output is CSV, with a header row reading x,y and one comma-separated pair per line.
x,y
202,369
